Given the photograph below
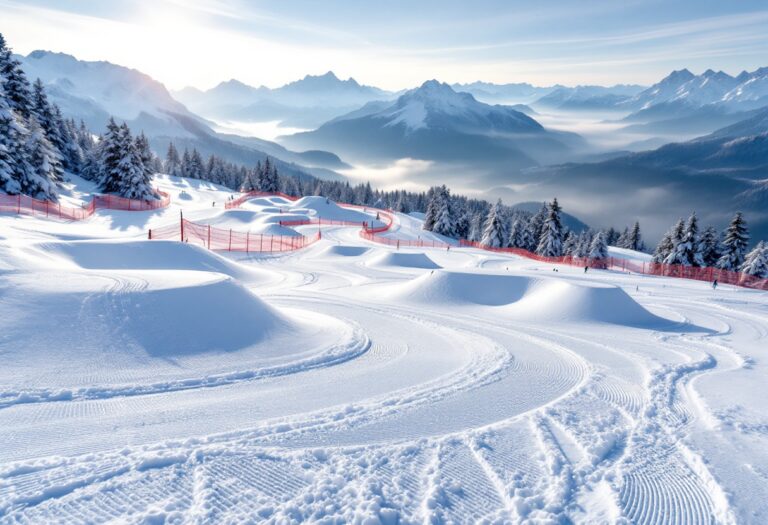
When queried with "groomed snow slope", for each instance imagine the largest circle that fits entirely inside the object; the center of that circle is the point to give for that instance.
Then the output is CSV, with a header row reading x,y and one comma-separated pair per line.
x,y
155,382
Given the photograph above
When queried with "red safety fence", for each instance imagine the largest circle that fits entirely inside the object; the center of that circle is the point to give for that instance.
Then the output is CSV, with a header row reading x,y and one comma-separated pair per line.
x,y
402,243
25,205
230,240
646,268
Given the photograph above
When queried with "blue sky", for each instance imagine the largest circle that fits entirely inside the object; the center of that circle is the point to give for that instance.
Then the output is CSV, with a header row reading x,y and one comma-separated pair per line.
x,y
398,44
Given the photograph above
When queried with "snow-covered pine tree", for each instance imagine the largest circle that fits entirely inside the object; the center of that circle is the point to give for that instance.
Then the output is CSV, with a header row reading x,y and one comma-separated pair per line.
x,y
517,233
109,157
734,244
172,161
46,117
461,225
635,239
40,180
687,250
475,228
71,152
195,165
623,240
535,225
710,246
675,256
569,244
444,221
134,181
494,235
611,236
12,153
432,206
583,244
664,248
14,82
145,155
551,238
756,261
598,249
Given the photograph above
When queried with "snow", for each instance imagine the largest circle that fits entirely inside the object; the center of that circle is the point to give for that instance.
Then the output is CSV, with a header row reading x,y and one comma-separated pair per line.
x,y
154,381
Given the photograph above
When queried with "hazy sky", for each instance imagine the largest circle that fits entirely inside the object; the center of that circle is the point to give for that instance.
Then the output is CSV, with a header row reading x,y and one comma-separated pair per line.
x,y
397,44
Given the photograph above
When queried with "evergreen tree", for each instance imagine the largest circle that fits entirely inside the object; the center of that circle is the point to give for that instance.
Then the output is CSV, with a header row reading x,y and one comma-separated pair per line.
x,y
674,256
145,156
569,244
710,246
734,244
664,248
551,238
134,181
623,241
599,247
635,239
518,234
71,152
172,161
12,151
687,250
756,261
535,226
583,244
494,235
110,153
444,224
14,81
432,206
40,181
475,228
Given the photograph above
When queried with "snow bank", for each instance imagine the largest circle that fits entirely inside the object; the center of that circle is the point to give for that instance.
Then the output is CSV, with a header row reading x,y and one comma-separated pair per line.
x,y
143,255
547,300
390,259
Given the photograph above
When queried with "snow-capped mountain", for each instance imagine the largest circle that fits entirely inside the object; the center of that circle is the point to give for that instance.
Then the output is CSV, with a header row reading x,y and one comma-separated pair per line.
x,y
304,103
588,97
520,93
94,91
696,104
434,122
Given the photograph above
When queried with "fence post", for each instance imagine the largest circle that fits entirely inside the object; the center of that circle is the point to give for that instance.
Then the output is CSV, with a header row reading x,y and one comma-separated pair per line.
x,y
18,206
181,219
230,240
271,242
46,208
247,242
209,236
150,234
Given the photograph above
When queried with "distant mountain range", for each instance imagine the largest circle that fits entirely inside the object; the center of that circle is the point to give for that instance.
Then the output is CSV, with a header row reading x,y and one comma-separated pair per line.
x,y
305,103
714,175
94,91
434,122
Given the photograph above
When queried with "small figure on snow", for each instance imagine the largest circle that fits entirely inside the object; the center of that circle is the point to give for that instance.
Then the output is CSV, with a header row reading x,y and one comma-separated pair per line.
x,y
586,268
714,284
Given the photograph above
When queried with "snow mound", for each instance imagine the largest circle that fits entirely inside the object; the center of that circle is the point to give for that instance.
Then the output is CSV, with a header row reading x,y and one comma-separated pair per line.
x,y
274,229
235,219
447,288
285,217
554,300
328,209
233,318
404,260
143,255
523,298
344,251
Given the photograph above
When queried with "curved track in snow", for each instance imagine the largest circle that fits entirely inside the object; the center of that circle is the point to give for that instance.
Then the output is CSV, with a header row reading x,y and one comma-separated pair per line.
x,y
432,414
